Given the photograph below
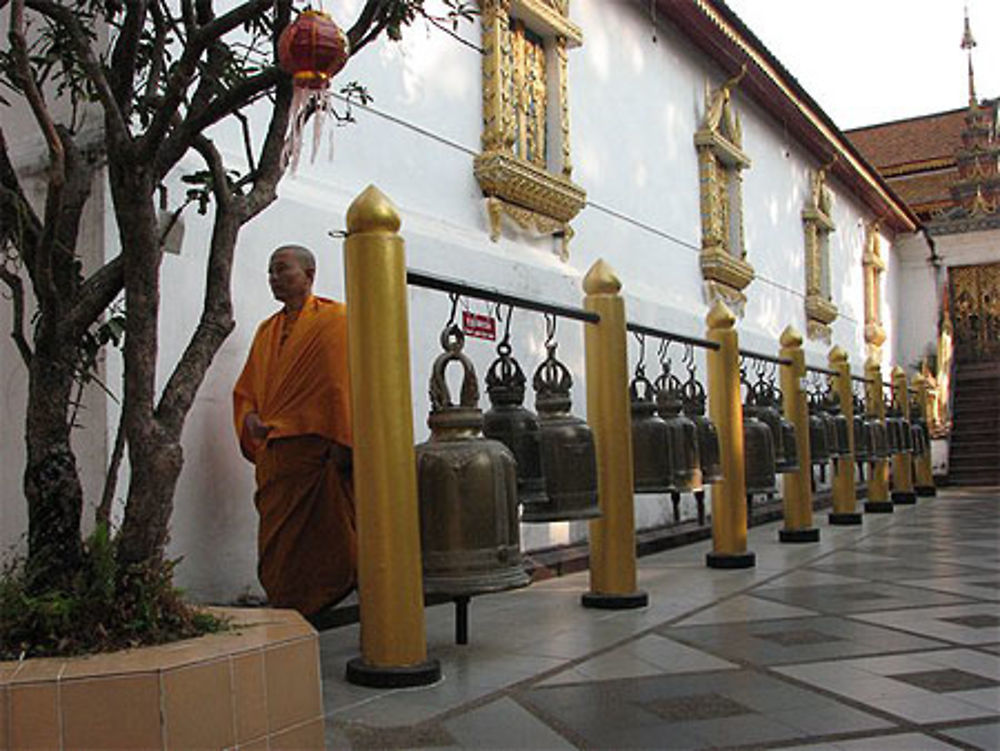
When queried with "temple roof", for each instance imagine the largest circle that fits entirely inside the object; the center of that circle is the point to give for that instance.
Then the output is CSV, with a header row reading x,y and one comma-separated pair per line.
x,y
913,144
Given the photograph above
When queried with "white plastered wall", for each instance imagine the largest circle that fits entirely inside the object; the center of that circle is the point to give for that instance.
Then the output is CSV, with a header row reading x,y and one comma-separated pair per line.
x,y
635,104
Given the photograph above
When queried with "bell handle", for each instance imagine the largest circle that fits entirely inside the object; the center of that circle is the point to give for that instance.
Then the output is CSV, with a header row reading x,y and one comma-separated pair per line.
x,y
452,341
649,390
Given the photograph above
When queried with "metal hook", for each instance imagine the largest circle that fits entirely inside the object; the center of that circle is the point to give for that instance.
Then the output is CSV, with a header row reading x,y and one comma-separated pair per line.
x,y
550,328
662,351
641,339
454,297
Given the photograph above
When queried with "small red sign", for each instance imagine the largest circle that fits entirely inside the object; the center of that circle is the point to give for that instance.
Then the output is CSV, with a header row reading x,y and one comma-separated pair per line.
x,y
478,325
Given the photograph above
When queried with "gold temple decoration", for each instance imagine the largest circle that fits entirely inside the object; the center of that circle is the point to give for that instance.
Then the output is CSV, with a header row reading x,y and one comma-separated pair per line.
x,y
818,224
721,160
874,266
524,169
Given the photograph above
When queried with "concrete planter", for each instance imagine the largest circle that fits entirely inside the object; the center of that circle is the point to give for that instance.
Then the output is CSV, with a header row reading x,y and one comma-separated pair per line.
x,y
254,687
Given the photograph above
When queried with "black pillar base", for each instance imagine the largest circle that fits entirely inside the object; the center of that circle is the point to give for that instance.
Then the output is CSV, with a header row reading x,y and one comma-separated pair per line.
x,y
362,674
798,535
844,519
614,602
926,491
904,497
731,560
878,507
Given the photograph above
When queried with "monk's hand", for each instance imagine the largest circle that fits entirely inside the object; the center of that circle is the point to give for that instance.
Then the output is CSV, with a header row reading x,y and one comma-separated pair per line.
x,y
255,427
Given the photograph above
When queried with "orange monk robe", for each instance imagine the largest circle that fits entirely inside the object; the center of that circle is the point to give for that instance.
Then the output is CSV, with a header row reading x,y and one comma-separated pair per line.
x,y
306,543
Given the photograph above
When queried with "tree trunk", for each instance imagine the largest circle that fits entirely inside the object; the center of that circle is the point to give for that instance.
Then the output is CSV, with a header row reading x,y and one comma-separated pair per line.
x,y
51,480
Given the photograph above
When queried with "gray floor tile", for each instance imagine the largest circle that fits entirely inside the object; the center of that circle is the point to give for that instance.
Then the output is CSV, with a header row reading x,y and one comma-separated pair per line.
x,y
503,724
985,736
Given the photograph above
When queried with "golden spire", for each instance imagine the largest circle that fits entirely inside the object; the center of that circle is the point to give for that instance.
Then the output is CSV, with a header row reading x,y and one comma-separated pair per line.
x,y
968,42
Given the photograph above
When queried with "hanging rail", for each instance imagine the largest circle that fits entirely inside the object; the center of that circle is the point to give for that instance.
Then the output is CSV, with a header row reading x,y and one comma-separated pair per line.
x,y
860,379
638,328
444,284
766,358
821,369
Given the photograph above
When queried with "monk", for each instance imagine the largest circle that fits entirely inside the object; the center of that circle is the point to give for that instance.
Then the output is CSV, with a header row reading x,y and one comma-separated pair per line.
x,y
291,406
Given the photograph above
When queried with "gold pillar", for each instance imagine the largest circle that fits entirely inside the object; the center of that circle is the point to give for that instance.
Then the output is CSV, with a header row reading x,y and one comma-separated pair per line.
x,y
390,584
878,481
797,485
902,464
844,493
729,497
612,536
923,468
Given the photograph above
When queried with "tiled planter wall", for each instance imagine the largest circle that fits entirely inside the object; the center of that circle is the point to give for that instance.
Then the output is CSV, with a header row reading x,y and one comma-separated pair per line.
x,y
254,687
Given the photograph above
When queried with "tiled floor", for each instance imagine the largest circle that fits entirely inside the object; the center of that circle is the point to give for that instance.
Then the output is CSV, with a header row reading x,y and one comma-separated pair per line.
x,y
884,636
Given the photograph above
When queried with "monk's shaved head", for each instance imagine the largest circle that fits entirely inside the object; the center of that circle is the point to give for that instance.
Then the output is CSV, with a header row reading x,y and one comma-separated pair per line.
x,y
290,273
301,253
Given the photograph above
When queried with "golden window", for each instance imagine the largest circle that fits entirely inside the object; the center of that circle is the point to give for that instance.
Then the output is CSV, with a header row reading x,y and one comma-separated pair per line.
x,y
524,169
721,162
817,224
873,265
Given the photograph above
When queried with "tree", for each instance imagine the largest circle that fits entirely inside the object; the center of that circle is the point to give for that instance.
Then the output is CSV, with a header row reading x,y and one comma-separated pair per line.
x,y
159,75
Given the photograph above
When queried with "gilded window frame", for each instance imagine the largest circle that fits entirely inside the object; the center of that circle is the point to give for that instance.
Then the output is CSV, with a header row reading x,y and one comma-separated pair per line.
x,y
873,265
818,225
539,199
721,161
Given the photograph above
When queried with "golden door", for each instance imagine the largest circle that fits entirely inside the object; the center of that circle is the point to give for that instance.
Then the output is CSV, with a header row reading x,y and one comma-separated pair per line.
x,y
975,311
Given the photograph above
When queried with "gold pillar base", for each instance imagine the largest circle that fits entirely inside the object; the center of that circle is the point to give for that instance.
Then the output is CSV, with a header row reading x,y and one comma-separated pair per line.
x,y
879,507
731,560
614,602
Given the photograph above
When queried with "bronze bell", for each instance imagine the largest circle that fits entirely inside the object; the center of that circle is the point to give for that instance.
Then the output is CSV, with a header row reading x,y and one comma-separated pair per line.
x,y
918,440
709,451
790,463
683,434
862,433
906,433
515,426
569,461
894,429
819,447
652,470
758,448
879,438
841,428
766,407
469,533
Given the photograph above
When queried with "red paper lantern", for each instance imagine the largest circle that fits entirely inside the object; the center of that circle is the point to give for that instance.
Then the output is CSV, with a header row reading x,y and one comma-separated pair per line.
x,y
312,49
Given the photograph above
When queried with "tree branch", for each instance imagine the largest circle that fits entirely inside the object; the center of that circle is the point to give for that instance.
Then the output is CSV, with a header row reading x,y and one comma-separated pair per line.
x,y
228,102
184,71
114,120
95,295
217,314
41,271
16,287
125,55
15,211
373,10
271,165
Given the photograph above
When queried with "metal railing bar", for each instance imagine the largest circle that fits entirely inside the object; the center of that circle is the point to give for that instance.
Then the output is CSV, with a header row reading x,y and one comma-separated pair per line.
x,y
821,369
445,284
639,328
766,358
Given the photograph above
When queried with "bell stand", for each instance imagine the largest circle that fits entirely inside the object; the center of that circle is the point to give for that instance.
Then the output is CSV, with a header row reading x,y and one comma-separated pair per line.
x,y
667,338
455,288
762,359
